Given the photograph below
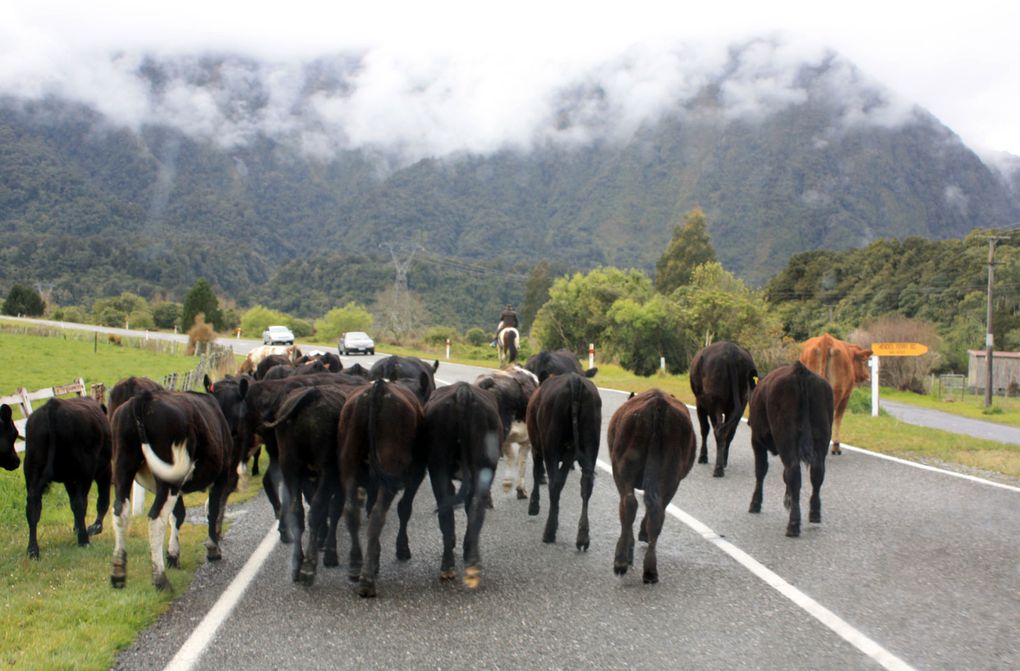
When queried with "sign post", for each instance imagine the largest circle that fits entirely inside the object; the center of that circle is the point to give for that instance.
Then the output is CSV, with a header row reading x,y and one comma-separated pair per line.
x,y
880,349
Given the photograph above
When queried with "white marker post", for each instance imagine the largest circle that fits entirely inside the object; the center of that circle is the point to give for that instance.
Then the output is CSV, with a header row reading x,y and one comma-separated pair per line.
x,y
591,355
447,349
874,385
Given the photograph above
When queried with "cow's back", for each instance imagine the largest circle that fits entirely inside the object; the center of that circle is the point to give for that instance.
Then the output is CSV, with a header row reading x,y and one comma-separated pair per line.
x,y
76,430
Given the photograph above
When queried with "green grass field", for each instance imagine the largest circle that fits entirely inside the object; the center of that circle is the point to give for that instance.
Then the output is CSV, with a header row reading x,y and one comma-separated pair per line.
x,y
60,612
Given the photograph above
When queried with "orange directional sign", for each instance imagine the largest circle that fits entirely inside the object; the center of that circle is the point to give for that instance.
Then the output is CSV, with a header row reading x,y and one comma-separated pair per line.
x,y
898,349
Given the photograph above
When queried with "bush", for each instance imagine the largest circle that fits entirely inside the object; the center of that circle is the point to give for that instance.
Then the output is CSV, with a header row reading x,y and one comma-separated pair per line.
x,y
300,327
71,313
24,300
351,317
477,337
200,336
166,315
438,335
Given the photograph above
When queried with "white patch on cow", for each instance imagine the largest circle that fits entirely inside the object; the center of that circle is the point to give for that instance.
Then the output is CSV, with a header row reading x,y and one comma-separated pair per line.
x,y
144,477
157,534
175,537
175,473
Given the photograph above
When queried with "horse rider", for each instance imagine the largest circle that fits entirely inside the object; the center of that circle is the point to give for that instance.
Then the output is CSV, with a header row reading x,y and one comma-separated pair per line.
x,y
507,319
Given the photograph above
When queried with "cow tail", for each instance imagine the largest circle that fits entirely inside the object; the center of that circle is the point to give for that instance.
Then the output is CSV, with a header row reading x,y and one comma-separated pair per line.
x,y
138,405
51,453
805,439
464,441
653,458
294,404
575,413
375,400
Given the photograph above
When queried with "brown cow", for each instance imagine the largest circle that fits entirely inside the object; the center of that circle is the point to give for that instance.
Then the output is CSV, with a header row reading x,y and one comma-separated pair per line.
x,y
843,366
652,445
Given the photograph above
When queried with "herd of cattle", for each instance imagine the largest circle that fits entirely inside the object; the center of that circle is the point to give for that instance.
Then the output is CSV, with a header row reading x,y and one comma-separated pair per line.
x,y
347,439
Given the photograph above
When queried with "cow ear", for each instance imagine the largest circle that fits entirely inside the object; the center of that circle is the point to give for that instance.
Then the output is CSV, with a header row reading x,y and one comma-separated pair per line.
x,y
5,412
591,372
207,383
106,411
632,395
435,366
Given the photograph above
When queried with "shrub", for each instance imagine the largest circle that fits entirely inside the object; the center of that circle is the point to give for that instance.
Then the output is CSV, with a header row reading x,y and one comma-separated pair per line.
x,y
166,315
351,317
200,336
438,335
477,337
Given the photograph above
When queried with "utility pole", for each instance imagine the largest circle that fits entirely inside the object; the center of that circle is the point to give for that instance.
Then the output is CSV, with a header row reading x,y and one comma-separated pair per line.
x,y
989,340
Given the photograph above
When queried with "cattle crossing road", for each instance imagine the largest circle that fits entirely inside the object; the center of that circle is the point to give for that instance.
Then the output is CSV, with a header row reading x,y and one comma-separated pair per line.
x,y
916,568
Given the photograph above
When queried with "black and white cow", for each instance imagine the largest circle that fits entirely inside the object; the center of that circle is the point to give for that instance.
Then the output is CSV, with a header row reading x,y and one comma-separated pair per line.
x,y
791,415
68,441
513,388
564,423
173,443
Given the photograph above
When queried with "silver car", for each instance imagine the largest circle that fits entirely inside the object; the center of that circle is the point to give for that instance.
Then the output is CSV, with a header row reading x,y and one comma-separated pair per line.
x,y
356,341
277,335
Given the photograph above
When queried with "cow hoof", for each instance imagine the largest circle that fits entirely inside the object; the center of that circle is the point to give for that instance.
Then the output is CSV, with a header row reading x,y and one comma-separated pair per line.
x,y
703,459
95,529
83,542
549,537
161,583
366,590
118,581
815,517
507,486
835,449
213,554
173,561
33,553
642,535
330,558
582,545
521,495
620,568
543,480
718,472
472,577
447,574
354,573
650,577
307,575
755,508
532,509
793,531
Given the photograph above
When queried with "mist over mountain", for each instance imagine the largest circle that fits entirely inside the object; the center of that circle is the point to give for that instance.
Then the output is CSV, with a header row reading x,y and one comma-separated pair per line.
x,y
153,171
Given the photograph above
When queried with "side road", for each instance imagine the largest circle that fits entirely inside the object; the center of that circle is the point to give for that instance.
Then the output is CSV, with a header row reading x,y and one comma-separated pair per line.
x,y
944,421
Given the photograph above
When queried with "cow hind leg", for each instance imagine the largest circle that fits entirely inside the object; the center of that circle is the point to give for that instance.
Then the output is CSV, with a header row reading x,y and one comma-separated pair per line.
x,y
440,489
217,507
352,517
624,558
817,477
370,569
472,553
121,517
173,554
522,464
587,485
33,510
405,508
703,422
317,519
537,470
791,475
330,558
102,500
159,515
761,468
77,495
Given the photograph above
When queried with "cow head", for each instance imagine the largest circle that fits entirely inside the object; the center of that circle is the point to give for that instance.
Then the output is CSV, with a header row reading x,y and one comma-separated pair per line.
x,y
860,356
9,459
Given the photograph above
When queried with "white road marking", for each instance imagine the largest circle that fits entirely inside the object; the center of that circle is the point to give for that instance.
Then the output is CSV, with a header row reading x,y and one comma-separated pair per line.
x,y
202,636
834,622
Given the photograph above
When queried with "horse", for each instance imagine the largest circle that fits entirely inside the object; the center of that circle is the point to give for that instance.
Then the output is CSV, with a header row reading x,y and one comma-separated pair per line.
x,y
506,346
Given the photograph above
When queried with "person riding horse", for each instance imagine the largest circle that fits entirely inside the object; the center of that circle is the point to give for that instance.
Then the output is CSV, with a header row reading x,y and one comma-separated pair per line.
x,y
508,318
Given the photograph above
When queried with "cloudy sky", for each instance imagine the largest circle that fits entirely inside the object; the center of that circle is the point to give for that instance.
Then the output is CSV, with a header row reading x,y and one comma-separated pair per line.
x,y
481,62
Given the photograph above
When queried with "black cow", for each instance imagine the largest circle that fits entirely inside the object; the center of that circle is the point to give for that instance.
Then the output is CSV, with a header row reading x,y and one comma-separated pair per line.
x,y
330,361
412,372
559,362
461,433
377,432
9,459
68,441
128,388
513,388
360,371
227,393
306,437
271,362
564,424
173,443
791,415
262,399
652,447
722,378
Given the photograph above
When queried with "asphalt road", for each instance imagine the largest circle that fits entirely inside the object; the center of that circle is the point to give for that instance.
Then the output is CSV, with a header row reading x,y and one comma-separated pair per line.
x,y
944,421
921,567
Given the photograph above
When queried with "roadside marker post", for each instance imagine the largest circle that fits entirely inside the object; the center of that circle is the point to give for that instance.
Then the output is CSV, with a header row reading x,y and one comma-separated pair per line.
x,y
881,349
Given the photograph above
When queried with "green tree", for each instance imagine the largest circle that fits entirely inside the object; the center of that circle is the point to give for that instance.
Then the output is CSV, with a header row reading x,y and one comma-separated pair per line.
x,y
536,292
201,298
257,319
352,317
166,315
641,333
689,248
24,300
577,312
127,308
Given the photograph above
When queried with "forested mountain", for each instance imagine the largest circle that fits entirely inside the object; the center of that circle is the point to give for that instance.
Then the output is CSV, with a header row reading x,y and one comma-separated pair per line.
x,y
95,207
